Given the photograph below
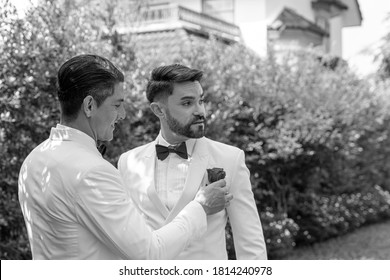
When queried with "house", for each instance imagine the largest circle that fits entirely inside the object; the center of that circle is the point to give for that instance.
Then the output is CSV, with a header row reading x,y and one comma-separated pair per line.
x,y
311,23
168,24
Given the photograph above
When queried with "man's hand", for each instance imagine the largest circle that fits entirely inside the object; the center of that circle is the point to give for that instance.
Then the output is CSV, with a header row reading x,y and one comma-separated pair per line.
x,y
214,197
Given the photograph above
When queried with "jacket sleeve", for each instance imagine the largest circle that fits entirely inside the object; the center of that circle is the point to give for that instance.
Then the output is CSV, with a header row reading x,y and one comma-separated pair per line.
x,y
104,206
243,215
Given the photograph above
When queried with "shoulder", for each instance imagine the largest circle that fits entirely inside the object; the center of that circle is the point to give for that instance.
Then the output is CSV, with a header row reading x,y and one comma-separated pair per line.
x,y
100,182
221,151
136,155
91,162
219,146
136,151
101,166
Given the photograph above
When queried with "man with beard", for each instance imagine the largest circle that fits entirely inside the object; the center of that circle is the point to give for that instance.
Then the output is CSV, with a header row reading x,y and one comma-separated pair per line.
x,y
164,175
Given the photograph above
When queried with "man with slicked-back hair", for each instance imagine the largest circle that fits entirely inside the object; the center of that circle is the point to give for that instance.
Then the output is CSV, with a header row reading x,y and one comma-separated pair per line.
x,y
176,165
74,202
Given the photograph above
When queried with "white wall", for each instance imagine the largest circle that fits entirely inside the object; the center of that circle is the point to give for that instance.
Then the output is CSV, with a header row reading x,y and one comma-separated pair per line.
x,y
335,39
250,16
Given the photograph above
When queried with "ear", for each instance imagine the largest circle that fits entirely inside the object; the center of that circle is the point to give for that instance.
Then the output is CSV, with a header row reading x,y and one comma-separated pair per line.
x,y
158,109
88,106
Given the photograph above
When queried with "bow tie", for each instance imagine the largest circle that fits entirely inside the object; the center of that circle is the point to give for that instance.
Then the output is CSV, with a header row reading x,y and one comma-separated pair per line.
x,y
102,148
163,152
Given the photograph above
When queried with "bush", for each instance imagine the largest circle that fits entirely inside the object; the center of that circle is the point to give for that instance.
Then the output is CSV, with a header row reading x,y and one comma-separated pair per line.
x,y
31,51
279,233
314,136
306,129
322,217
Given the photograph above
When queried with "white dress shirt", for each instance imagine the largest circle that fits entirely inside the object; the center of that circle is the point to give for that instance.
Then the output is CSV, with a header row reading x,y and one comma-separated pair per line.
x,y
171,173
75,206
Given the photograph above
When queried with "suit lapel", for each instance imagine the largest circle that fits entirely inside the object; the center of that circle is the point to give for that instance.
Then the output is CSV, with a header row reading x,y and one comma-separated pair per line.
x,y
150,162
195,177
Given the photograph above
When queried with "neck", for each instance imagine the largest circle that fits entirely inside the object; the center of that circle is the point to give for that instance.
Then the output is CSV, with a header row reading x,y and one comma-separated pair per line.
x,y
171,137
80,124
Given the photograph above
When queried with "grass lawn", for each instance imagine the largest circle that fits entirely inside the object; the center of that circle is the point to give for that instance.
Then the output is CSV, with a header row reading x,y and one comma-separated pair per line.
x,y
371,242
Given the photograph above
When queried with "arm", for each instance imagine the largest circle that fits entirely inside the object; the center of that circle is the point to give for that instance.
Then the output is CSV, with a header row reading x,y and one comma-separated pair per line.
x,y
104,206
243,215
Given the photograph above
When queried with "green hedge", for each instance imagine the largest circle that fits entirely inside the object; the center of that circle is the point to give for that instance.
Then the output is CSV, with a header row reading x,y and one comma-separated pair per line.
x,y
315,136
323,217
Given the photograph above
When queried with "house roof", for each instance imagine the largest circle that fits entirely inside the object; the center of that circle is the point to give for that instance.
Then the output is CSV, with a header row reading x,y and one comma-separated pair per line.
x,y
169,41
336,3
358,9
167,44
289,19
352,15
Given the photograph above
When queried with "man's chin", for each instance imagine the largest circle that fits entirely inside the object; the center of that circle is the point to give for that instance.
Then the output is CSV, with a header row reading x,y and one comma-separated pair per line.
x,y
108,138
197,134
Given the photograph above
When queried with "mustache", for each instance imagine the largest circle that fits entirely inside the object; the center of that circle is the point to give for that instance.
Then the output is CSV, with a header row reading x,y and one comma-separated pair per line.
x,y
198,119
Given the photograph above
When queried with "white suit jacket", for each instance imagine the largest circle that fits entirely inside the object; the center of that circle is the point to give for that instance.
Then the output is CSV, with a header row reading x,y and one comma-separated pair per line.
x,y
76,207
137,168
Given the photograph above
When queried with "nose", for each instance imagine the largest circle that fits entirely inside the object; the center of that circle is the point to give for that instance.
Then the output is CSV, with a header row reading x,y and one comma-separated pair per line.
x,y
122,113
200,110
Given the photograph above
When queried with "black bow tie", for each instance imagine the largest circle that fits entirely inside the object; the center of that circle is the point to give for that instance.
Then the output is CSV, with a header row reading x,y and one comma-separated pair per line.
x,y
163,152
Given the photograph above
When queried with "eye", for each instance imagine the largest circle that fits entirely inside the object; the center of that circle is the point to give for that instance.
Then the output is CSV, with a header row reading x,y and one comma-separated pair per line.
x,y
201,101
187,103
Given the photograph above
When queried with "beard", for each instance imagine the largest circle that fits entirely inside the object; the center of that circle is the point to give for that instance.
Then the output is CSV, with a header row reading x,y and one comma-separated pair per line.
x,y
187,130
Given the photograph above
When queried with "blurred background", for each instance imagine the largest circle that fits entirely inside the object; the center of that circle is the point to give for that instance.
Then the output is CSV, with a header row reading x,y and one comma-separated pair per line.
x,y
302,86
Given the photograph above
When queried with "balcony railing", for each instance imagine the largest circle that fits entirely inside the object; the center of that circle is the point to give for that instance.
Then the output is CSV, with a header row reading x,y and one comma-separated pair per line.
x,y
174,14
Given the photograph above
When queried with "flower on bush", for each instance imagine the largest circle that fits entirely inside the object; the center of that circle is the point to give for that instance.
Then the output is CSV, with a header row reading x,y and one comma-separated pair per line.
x,y
323,217
279,233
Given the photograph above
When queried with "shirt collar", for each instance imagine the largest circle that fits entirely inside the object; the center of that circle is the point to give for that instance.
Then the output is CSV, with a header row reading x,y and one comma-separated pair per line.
x,y
66,133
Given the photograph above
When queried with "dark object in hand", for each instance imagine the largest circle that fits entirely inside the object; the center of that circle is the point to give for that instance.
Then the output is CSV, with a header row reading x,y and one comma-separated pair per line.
x,y
215,174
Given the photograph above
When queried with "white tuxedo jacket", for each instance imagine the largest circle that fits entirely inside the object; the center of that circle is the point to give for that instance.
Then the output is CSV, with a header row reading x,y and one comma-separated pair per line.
x,y
137,168
76,207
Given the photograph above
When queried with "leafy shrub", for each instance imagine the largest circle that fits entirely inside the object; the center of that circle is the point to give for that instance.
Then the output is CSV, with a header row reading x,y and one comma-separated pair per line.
x,y
323,217
13,238
314,136
279,233
31,51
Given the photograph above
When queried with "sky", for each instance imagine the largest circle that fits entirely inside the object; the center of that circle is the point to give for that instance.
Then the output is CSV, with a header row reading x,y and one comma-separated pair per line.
x,y
359,43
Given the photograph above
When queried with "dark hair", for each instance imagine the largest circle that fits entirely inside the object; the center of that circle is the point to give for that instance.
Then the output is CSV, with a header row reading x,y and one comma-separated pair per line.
x,y
162,79
85,75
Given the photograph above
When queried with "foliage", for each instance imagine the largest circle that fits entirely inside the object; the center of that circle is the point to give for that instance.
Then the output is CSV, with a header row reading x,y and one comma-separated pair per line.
x,y
297,121
384,55
279,232
307,130
31,50
316,137
322,217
